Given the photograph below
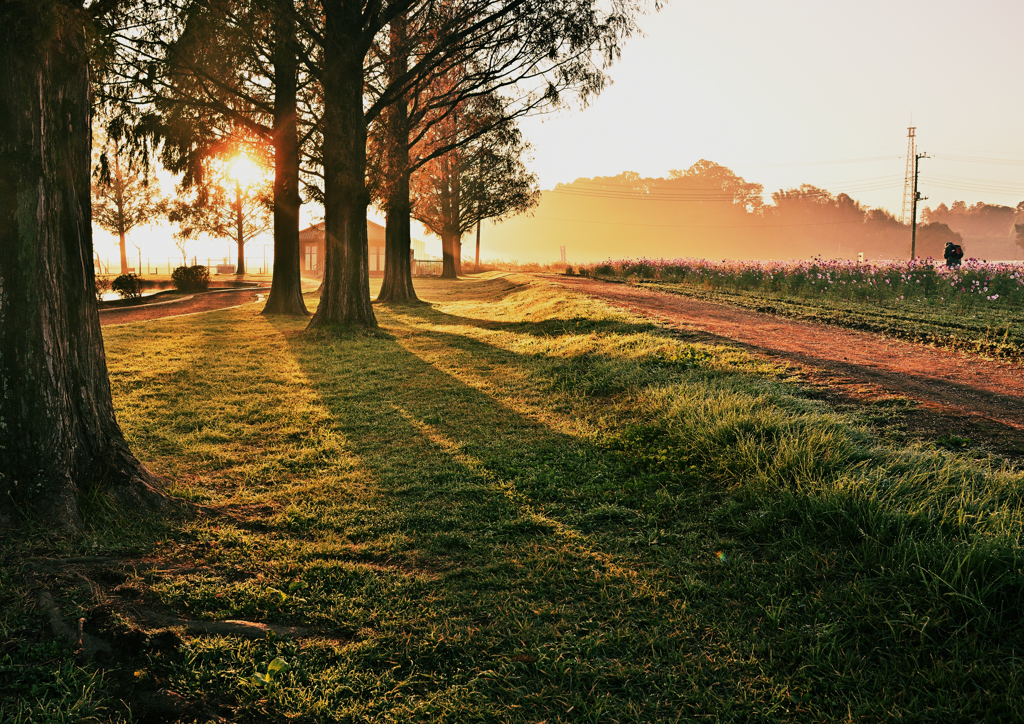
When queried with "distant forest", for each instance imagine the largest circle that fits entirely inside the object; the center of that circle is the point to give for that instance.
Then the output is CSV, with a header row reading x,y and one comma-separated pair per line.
x,y
708,211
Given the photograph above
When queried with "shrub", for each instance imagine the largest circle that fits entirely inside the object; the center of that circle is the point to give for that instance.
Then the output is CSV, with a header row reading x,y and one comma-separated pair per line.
x,y
101,286
604,270
568,270
191,278
128,286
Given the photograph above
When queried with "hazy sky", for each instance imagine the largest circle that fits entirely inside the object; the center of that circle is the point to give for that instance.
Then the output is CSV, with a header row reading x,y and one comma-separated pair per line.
x,y
781,92
790,92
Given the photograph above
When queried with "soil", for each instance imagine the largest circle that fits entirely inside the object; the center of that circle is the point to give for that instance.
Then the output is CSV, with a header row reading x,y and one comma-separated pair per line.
x,y
193,304
907,390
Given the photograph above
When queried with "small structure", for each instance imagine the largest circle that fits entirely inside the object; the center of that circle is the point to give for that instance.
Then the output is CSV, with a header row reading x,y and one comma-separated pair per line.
x,y
311,241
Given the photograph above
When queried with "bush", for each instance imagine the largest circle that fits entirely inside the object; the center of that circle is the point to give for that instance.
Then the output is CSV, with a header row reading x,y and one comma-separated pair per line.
x,y
191,278
102,286
568,270
128,286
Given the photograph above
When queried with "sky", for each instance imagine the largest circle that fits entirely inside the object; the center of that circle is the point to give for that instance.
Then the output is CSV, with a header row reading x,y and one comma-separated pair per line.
x,y
790,92
795,91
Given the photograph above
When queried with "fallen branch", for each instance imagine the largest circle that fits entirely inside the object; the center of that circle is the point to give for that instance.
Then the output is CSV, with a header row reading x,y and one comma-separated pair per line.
x,y
246,629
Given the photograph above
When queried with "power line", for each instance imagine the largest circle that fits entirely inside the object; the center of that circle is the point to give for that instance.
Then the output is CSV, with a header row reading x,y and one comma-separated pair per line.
x,y
831,163
977,184
979,159
697,226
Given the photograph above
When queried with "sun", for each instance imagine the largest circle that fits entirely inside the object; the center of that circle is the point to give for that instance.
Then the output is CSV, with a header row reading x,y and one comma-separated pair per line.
x,y
242,169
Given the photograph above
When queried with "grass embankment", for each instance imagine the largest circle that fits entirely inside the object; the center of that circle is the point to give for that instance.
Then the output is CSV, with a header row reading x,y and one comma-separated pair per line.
x,y
515,505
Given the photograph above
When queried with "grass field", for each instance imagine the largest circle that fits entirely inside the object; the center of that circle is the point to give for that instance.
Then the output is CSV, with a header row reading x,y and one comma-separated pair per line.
x,y
513,504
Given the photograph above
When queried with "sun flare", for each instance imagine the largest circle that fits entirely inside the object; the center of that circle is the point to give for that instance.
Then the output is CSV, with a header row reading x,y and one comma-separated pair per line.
x,y
244,171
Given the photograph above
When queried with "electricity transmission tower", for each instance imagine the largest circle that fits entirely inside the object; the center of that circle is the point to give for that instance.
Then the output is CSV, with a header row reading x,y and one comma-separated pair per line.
x,y
908,182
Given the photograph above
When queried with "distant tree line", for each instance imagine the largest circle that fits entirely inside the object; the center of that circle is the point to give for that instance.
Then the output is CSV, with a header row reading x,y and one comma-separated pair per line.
x,y
709,211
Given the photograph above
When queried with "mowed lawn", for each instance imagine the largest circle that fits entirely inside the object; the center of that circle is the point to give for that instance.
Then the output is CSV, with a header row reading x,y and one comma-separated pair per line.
x,y
514,504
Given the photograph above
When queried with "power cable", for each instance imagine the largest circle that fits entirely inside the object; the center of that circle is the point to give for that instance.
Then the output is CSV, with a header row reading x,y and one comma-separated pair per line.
x,y
698,226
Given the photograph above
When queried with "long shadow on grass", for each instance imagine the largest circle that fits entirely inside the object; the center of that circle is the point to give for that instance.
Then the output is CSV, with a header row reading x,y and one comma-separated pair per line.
x,y
542,328
466,560
964,584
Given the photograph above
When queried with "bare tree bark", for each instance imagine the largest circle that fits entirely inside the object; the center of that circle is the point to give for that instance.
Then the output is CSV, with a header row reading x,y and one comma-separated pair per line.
x,y
124,252
345,299
397,285
239,230
286,286
448,242
119,201
59,438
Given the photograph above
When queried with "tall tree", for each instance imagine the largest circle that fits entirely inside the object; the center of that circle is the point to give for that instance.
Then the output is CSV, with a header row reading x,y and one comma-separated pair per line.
x,y
485,179
123,197
390,171
520,67
60,438
541,44
219,71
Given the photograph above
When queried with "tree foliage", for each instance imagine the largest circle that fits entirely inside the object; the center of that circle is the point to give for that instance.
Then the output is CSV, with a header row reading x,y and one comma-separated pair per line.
x,y
123,196
223,207
484,178
980,219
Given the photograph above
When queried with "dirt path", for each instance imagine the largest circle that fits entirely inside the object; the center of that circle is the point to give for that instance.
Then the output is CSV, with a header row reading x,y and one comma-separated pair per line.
x,y
956,394
206,302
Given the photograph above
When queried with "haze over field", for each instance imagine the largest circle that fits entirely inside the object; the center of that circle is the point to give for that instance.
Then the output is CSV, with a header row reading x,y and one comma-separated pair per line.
x,y
785,94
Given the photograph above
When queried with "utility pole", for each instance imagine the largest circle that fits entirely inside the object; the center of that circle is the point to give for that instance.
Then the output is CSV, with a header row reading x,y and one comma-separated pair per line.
x,y
913,214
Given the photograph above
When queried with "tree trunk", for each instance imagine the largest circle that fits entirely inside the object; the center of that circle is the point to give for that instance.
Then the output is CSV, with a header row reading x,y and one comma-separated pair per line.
x,y
286,286
118,184
124,253
60,438
239,230
345,299
448,241
455,218
397,285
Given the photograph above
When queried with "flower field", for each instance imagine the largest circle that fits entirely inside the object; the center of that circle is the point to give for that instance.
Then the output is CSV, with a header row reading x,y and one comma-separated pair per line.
x,y
975,283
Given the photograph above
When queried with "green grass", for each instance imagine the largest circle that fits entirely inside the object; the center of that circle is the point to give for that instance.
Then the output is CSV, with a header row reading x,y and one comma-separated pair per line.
x,y
517,505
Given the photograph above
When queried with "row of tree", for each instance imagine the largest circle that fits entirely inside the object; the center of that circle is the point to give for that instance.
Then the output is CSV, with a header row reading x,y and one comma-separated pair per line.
x,y
315,85
485,179
980,219
709,211
235,202
310,85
